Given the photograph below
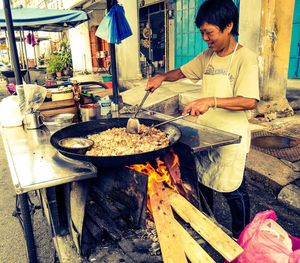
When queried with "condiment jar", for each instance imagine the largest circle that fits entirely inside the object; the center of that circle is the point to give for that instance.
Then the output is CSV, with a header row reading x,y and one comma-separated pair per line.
x,y
32,120
89,112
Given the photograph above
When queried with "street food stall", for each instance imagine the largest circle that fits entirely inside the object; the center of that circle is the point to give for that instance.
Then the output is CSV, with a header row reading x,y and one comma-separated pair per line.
x,y
36,165
89,200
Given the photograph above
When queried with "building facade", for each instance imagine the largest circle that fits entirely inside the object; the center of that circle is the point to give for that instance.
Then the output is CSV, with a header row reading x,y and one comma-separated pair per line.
x,y
165,36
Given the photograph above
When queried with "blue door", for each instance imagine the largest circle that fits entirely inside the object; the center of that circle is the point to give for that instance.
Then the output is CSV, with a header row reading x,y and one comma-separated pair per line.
x,y
188,41
294,66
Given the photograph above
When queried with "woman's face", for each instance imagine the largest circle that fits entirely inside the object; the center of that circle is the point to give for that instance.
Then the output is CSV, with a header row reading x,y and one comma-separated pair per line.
x,y
214,37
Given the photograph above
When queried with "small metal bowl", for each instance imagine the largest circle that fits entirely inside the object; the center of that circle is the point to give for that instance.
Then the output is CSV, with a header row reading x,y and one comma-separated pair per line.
x,y
76,145
63,119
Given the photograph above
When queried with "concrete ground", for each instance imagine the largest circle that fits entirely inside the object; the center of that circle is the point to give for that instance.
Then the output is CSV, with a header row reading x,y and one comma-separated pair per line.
x,y
260,183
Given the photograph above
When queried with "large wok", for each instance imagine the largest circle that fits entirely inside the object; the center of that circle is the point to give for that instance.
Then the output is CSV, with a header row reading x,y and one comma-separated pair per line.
x,y
85,128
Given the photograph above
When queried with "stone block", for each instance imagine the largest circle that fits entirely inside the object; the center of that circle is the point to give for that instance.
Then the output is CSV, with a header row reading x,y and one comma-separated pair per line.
x,y
279,106
295,104
290,195
269,171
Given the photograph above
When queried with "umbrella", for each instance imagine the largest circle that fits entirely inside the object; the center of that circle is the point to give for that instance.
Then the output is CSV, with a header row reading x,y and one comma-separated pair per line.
x,y
35,19
41,19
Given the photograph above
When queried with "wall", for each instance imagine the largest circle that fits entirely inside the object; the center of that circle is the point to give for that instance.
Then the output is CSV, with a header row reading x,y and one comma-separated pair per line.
x,y
275,35
80,46
250,24
80,39
96,17
70,3
127,53
171,54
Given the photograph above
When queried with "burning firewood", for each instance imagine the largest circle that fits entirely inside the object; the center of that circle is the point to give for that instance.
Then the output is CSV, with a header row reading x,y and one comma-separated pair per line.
x,y
169,239
175,242
105,224
194,252
219,240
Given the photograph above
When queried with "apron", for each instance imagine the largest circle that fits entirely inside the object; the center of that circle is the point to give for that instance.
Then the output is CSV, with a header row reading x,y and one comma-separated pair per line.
x,y
222,168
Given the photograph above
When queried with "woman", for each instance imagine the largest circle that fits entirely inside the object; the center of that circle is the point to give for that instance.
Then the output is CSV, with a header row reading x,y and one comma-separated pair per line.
x,y
229,89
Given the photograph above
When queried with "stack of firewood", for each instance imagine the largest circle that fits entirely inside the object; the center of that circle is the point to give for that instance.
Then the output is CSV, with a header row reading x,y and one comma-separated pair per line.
x,y
175,242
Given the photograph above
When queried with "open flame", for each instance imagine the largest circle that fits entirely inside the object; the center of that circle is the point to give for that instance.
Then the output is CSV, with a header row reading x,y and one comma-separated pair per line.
x,y
160,174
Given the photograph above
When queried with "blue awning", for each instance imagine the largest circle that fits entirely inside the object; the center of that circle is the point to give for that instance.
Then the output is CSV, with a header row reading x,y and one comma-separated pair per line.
x,y
38,19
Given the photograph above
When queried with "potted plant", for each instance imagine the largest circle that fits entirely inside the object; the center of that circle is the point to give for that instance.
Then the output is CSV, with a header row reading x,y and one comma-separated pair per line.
x,y
55,64
41,60
66,57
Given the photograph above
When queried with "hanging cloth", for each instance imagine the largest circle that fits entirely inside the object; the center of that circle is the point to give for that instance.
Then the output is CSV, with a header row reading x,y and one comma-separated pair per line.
x,y
28,39
114,27
33,40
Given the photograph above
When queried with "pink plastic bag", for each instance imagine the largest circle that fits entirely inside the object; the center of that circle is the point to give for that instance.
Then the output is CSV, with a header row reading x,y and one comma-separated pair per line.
x,y
263,240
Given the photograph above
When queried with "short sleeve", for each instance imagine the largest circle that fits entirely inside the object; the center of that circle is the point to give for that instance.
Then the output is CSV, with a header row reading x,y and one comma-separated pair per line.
x,y
247,84
194,69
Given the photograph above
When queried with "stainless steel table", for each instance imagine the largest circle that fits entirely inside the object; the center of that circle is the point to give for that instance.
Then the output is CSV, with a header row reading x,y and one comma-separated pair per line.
x,y
34,164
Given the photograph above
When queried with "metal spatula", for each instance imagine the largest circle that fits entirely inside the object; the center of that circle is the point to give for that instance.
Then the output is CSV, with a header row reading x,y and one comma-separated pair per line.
x,y
172,119
133,124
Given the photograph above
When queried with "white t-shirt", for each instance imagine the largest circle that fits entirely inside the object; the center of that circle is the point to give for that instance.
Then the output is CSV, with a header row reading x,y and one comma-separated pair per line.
x,y
243,73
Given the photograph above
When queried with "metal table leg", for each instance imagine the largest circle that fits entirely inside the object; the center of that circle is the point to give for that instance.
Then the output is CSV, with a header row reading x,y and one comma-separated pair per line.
x,y
25,220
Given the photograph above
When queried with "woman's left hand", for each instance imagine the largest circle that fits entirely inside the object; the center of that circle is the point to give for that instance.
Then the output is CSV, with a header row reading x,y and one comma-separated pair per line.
x,y
198,107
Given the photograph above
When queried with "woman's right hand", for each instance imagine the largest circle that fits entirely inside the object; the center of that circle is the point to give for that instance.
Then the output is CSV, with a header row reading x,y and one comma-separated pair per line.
x,y
155,82
172,75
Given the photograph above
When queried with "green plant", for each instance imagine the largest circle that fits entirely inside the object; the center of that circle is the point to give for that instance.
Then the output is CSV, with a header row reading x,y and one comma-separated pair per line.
x,y
5,61
41,59
55,63
62,59
66,55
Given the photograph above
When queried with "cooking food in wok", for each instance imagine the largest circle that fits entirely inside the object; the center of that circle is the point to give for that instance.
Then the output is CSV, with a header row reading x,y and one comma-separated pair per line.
x,y
117,141
85,129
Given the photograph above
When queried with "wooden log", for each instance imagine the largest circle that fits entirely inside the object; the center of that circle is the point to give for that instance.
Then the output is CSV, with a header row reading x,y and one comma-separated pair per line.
x,y
130,191
172,251
123,198
172,164
180,164
194,252
87,243
94,229
65,249
98,197
213,234
105,224
78,195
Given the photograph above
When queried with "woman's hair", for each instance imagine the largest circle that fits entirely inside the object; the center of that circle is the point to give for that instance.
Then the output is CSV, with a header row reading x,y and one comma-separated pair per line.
x,y
220,13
